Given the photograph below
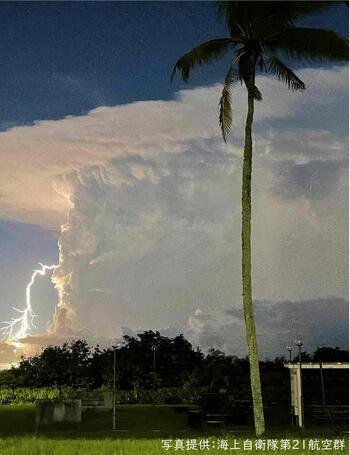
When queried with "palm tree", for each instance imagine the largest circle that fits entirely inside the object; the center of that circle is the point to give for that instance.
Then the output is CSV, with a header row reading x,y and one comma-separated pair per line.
x,y
260,34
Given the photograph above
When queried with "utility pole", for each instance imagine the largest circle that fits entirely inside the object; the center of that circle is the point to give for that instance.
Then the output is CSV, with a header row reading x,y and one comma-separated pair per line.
x,y
114,391
301,398
289,349
114,346
154,349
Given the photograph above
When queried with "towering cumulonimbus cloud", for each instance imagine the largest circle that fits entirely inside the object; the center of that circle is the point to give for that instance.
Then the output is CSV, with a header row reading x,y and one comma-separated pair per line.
x,y
77,244
153,202
120,213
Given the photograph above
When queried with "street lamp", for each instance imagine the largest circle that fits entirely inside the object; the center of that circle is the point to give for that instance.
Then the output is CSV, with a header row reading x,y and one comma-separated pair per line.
x,y
115,346
300,344
154,349
289,349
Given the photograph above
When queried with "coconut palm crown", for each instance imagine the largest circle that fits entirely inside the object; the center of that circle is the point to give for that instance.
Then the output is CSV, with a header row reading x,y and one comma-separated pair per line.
x,y
261,34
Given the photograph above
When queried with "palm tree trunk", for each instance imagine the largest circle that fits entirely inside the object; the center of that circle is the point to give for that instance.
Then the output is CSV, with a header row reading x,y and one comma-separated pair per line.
x,y
246,269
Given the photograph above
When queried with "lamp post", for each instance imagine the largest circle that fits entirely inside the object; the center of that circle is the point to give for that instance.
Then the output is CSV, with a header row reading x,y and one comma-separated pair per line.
x,y
301,403
114,345
299,344
154,349
289,349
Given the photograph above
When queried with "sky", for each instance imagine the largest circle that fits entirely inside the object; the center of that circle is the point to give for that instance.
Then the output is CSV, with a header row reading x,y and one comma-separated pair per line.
x,y
95,137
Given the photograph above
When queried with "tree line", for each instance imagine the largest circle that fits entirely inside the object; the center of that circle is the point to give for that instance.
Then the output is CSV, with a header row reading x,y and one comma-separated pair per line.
x,y
150,360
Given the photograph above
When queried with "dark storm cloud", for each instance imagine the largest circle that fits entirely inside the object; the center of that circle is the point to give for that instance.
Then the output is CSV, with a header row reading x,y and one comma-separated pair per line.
x,y
318,322
313,180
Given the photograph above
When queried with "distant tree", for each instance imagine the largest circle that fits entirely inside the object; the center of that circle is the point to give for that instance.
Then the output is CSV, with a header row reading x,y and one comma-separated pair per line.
x,y
100,366
178,365
305,357
184,359
175,359
78,363
8,378
57,366
216,369
329,354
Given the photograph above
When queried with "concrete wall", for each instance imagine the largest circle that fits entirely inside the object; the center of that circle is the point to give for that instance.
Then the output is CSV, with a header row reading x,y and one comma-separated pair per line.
x,y
49,411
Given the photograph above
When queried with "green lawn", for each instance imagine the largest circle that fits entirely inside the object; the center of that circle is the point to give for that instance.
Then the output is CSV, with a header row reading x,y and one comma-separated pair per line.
x,y
140,420
31,446
142,430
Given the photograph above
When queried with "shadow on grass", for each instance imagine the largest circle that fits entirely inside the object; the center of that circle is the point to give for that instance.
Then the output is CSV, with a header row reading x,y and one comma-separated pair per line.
x,y
136,421
133,422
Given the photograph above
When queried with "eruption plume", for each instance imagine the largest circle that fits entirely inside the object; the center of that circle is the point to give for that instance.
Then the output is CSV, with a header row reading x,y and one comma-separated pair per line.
x,y
18,328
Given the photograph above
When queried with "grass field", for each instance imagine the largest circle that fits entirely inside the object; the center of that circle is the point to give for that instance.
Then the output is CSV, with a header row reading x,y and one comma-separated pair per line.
x,y
141,430
141,420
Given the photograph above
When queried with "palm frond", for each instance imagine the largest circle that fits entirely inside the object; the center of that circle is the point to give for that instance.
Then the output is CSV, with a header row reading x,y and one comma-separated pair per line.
x,y
241,17
203,54
271,15
225,107
310,44
285,74
300,9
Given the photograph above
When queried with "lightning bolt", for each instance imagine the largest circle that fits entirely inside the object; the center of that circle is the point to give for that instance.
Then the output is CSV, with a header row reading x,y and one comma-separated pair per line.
x,y
18,328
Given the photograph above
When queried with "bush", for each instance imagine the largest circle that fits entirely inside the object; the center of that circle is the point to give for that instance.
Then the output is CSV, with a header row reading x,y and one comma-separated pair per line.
x,y
24,395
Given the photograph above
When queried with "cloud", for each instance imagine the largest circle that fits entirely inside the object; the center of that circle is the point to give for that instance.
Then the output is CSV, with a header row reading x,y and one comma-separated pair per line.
x,y
134,211
162,234
278,325
7,354
33,157
312,180
153,202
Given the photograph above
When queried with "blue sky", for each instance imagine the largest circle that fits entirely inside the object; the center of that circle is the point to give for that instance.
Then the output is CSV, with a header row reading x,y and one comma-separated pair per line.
x,y
166,213
65,58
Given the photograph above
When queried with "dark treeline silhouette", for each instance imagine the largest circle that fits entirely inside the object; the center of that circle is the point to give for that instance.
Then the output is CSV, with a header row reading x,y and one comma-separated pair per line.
x,y
174,364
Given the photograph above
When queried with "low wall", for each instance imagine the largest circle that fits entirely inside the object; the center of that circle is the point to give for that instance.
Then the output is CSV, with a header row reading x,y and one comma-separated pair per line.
x,y
50,411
